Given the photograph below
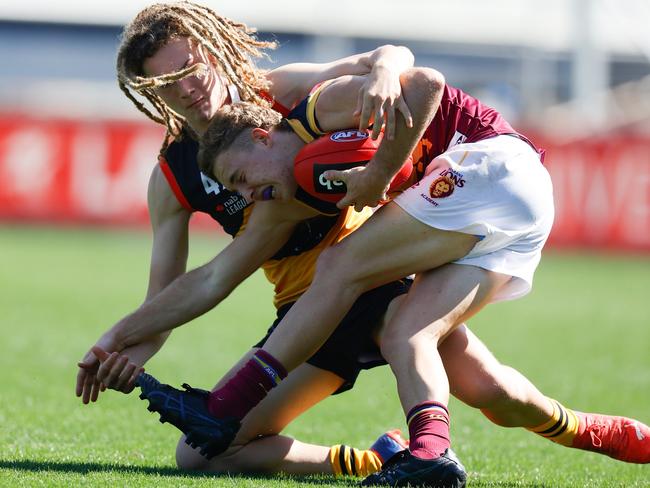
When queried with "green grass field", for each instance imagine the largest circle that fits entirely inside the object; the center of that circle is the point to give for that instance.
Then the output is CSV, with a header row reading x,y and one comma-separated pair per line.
x,y
582,336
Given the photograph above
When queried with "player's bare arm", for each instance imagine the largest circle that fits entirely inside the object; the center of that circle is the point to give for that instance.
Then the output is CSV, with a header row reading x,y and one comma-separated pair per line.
x,y
147,328
203,288
421,89
378,97
169,221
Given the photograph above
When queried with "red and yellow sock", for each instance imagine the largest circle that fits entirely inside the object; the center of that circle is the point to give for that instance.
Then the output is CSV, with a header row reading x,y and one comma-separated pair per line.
x,y
346,460
562,427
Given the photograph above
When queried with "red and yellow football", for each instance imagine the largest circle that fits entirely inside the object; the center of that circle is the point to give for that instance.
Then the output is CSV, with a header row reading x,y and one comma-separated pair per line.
x,y
339,150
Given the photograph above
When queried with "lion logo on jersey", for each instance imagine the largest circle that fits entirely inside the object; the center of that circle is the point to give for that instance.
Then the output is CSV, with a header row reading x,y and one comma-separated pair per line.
x,y
442,187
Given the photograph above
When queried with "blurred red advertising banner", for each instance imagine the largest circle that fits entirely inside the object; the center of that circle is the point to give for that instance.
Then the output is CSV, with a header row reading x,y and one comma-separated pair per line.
x,y
602,192
97,171
69,170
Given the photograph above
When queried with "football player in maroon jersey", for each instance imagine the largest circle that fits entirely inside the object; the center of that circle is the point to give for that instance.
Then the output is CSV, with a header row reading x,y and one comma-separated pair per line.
x,y
468,136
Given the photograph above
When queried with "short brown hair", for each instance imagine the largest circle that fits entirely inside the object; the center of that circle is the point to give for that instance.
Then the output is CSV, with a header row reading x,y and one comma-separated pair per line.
x,y
227,126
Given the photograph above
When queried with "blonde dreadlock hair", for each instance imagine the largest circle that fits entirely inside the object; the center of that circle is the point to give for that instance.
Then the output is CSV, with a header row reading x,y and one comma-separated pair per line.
x,y
233,44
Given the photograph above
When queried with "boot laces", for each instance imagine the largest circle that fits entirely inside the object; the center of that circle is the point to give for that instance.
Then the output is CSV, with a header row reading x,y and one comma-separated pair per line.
x,y
617,438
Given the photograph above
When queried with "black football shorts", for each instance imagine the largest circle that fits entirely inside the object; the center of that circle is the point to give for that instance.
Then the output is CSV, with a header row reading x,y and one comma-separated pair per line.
x,y
351,347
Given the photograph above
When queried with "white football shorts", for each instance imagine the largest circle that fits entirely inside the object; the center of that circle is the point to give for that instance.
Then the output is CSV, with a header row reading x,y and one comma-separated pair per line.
x,y
498,190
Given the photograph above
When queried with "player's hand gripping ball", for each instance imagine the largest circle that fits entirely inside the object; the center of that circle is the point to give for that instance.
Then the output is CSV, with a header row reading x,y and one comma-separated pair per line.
x,y
340,150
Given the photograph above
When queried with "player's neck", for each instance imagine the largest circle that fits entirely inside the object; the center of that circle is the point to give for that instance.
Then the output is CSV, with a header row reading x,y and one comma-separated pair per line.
x,y
289,142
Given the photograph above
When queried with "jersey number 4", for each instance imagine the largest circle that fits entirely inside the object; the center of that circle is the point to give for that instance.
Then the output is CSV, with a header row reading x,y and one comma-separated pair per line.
x,y
210,185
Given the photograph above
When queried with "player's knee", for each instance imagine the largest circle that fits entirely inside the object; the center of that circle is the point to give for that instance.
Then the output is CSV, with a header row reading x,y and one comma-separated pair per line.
x,y
188,458
399,338
391,342
395,343
191,459
388,347
336,266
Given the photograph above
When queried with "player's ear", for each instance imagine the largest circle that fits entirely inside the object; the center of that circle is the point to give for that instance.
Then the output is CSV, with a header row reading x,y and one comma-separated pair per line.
x,y
261,136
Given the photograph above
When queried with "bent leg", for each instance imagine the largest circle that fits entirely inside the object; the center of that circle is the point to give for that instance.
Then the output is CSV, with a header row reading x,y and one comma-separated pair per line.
x,y
478,379
439,301
389,246
251,452
509,399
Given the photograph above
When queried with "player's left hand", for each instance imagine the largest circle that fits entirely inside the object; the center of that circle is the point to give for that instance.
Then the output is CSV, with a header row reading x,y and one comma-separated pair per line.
x,y
364,188
379,99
